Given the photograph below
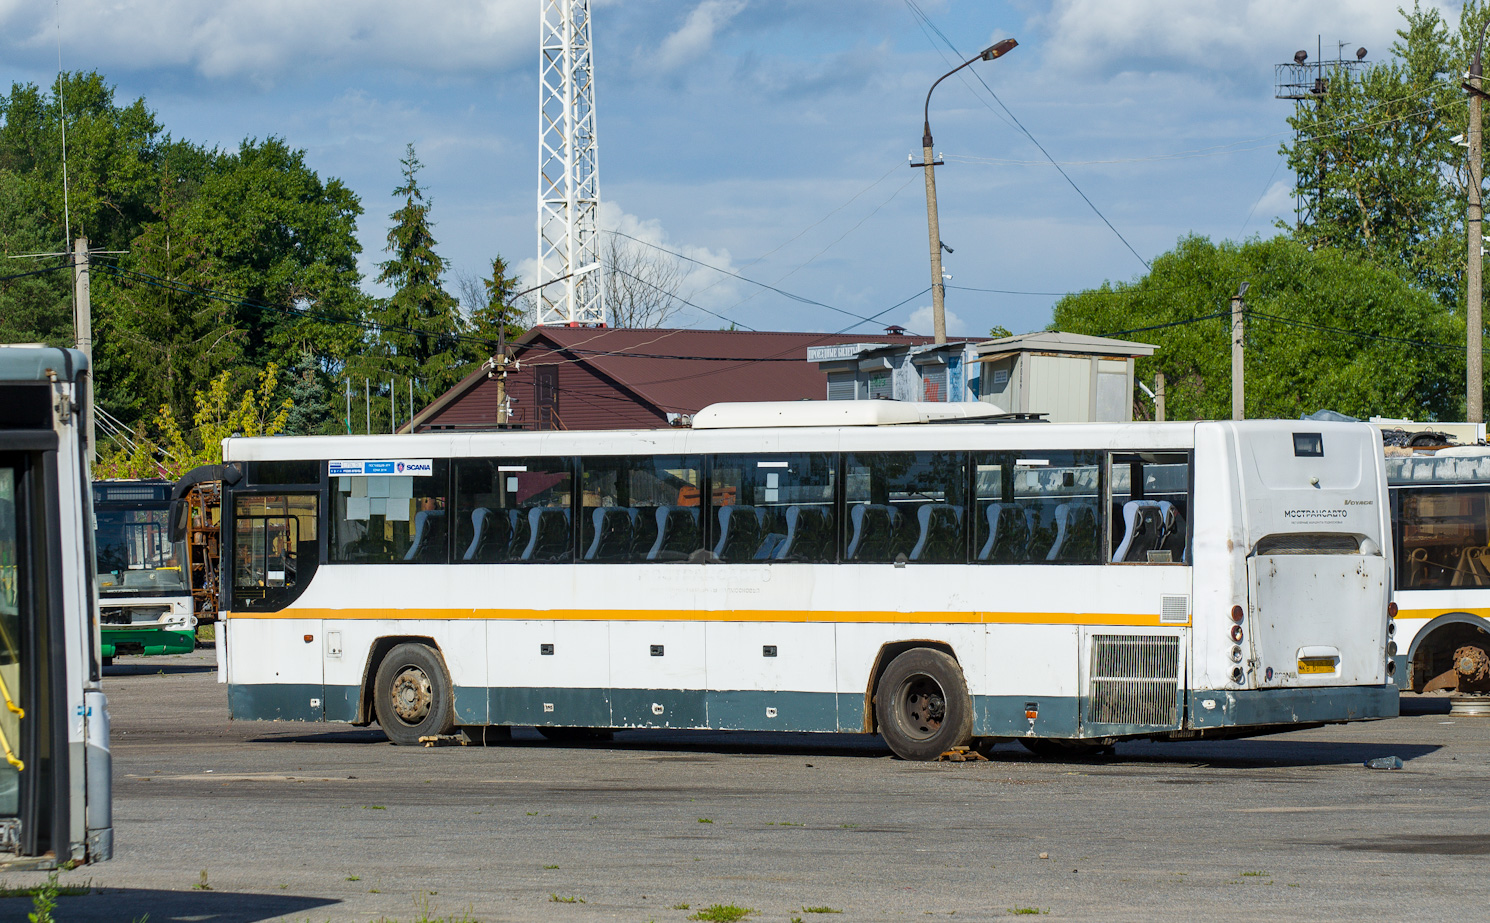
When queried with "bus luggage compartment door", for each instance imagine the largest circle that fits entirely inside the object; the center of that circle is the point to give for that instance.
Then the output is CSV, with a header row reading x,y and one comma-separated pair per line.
x,y
1317,619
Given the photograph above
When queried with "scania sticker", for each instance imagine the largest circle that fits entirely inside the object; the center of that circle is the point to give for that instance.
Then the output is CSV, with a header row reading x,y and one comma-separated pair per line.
x,y
422,467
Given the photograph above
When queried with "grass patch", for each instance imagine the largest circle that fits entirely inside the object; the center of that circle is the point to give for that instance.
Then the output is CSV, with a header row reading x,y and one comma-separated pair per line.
x,y
722,913
571,899
547,867
820,910
678,907
705,820
1027,911
374,807
354,878
58,889
1256,875
202,884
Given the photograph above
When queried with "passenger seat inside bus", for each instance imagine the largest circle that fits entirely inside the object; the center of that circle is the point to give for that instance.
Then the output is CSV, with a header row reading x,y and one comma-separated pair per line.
x,y
548,534
1009,530
941,540
677,533
612,541
874,532
1075,533
808,536
1144,530
429,537
739,533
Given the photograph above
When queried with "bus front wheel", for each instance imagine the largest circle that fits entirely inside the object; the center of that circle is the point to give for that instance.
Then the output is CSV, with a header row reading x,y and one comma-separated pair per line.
x,y
412,695
923,706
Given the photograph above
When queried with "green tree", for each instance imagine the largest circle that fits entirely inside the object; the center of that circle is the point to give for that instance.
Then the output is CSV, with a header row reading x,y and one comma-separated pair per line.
x,y
491,309
1326,329
419,326
1378,170
35,308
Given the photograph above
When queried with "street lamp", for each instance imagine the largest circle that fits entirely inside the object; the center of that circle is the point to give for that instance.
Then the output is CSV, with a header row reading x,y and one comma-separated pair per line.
x,y
938,291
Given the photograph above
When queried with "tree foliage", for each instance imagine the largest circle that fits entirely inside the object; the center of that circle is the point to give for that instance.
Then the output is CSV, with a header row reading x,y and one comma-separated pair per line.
x,y
1378,168
1325,329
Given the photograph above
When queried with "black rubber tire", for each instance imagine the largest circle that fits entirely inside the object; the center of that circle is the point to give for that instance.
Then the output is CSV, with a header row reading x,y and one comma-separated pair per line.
x,y
1055,749
922,705
428,703
574,735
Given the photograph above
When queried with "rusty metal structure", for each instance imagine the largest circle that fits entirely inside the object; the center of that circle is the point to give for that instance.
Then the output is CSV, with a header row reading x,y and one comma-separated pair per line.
x,y
203,526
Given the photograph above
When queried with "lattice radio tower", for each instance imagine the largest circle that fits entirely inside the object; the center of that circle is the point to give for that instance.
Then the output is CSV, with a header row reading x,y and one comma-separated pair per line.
x,y
568,170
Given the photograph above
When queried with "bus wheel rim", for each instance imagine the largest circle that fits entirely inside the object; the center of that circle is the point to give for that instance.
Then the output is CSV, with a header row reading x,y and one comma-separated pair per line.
x,y
412,695
922,705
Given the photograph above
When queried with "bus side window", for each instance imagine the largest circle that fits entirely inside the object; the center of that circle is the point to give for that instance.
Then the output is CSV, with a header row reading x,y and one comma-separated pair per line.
x,y
641,508
513,510
390,519
906,506
1054,509
772,508
1149,508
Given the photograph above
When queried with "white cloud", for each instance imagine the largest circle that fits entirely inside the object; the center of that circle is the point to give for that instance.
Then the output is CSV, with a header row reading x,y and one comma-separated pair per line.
x,y
1147,35
922,322
696,35
270,41
1278,200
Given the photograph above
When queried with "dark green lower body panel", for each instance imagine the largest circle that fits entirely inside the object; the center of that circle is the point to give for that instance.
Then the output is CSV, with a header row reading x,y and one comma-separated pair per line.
x,y
1262,707
993,716
115,641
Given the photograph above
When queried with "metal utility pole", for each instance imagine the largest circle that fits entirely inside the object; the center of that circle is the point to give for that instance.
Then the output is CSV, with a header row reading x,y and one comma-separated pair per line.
x,y
929,163
499,371
1159,397
1474,346
349,406
392,407
367,396
1238,339
568,169
411,406
83,326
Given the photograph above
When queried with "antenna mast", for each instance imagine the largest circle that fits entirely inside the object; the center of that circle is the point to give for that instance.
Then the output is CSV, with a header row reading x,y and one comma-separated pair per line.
x,y
568,175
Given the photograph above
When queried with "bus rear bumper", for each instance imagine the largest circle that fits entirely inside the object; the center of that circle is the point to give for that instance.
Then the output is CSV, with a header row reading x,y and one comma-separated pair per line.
x,y
1217,708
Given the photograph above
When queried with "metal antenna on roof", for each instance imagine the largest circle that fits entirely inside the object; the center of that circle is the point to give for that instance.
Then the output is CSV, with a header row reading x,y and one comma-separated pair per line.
x,y
568,169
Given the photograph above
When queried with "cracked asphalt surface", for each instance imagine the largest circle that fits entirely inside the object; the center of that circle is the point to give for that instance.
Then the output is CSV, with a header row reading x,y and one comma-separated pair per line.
x,y
299,822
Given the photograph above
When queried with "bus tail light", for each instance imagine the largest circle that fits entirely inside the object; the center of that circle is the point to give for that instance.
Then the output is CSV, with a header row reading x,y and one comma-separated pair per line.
x,y
1236,634
1237,615
1391,610
1391,668
1236,655
1237,676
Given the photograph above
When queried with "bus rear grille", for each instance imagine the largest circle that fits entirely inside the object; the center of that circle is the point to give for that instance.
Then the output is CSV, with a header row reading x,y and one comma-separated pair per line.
x,y
1134,679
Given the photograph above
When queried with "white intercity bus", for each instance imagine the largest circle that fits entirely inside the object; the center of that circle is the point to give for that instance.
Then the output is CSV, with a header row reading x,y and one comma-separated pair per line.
x,y
54,721
1441,518
934,573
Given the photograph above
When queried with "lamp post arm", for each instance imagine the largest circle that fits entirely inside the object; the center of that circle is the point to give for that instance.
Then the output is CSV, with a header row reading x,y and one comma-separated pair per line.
x,y
926,111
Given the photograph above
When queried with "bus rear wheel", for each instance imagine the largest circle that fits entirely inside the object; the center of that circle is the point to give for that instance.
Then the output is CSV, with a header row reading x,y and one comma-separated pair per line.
x,y
412,695
922,705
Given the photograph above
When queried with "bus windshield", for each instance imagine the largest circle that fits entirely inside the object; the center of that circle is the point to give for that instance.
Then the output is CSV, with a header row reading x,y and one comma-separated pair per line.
x,y
135,552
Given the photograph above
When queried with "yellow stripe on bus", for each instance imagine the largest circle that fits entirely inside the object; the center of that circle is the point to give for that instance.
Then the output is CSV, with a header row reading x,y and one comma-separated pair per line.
x,y
721,615
1428,614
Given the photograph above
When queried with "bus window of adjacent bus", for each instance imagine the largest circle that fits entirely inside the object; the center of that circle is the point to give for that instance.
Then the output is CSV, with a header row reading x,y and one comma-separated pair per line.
x,y
1445,537
648,508
1037,507
274,546
772,508
906,506
1150,508
513,510
390,519
10,645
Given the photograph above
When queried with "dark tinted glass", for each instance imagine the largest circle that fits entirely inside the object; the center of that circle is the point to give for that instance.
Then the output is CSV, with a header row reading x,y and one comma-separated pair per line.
x,y
1150,511
284,472
514,510
1444,537
390,518
1038,507
641,508
770,508
906,503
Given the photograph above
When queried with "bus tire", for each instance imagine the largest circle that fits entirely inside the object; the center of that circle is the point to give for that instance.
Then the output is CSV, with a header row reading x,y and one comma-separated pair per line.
x,y
922,705
412,695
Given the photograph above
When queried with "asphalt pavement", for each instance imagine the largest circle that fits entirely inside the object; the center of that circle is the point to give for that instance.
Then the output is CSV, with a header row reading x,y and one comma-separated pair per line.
x,y
241,822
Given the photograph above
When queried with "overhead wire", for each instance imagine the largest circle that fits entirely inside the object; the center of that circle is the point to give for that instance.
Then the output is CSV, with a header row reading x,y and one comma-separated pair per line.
x,y
921,14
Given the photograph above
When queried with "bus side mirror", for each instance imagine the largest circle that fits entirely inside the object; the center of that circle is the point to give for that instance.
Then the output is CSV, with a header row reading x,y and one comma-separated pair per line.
x,y
180,512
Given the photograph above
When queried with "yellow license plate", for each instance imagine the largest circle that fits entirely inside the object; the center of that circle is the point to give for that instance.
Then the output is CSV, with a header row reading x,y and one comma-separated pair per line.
x,y
1317,665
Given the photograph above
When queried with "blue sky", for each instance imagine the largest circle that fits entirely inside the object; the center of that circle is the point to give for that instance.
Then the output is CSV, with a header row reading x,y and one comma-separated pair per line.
x,y
768,137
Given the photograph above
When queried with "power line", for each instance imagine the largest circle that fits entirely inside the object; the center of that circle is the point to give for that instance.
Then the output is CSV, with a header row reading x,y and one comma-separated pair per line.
x,y
917,11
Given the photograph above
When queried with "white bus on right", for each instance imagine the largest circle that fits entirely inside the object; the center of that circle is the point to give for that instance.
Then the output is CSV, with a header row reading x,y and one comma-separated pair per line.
x,y
1441,525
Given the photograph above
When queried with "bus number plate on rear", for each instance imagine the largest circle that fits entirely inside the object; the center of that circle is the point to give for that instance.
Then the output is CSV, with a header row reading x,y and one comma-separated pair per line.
x,y
1317,665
